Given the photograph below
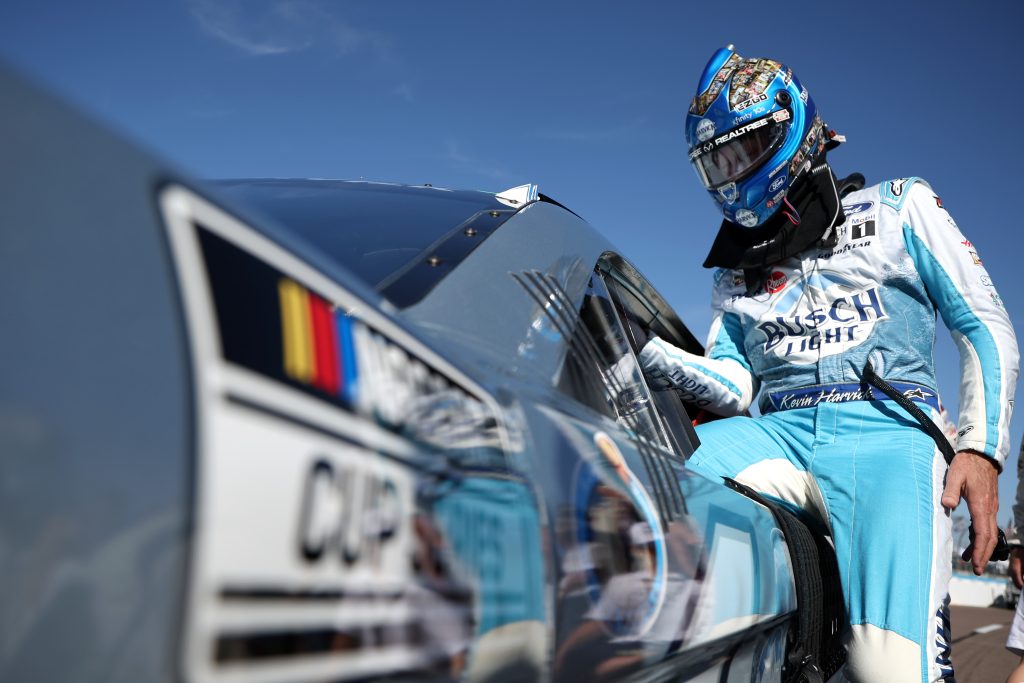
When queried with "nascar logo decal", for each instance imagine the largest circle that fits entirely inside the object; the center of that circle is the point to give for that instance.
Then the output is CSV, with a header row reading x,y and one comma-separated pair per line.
x,y
315,339
281,329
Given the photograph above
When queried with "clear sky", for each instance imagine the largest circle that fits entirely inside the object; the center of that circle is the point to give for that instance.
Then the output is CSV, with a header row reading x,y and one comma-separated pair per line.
x,y
586,98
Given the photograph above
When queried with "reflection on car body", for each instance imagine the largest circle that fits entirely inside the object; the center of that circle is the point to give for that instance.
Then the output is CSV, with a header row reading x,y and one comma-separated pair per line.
x,y
412,437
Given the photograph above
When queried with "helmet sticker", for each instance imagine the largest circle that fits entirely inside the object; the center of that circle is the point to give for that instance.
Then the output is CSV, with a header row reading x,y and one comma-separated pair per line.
x,y
775,200
705,129
801,160
778,183
752,79
751,102
702,101
778,168
746,218
728,192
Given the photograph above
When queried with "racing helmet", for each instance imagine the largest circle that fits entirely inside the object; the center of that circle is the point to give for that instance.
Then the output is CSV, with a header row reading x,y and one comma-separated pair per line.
x,y
752,132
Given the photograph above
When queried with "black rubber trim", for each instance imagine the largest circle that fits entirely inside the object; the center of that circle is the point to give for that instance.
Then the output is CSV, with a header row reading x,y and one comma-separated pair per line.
x,y
548,200
815,649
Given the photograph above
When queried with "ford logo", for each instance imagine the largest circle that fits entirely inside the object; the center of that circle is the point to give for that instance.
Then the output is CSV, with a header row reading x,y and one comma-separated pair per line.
x,y
857,208
778,183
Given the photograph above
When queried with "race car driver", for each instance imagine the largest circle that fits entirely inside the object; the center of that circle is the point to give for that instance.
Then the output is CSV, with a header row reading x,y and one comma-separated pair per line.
x,y
819,287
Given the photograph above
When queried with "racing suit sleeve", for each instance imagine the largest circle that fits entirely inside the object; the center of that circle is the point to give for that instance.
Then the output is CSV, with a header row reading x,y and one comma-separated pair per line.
x,y
963,293
721,380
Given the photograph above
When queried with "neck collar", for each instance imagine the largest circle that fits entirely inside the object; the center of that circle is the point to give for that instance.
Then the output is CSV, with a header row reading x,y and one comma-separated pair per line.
x,y
816,199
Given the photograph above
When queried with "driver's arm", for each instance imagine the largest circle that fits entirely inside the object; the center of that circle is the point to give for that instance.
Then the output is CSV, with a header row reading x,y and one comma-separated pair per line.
x,y
721,380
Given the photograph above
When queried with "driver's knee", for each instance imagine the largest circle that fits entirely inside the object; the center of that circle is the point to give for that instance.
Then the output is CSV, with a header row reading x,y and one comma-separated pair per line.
x,y
875,655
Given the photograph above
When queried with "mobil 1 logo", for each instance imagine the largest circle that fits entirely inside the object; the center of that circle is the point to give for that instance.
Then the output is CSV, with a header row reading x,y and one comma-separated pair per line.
x,y
862,230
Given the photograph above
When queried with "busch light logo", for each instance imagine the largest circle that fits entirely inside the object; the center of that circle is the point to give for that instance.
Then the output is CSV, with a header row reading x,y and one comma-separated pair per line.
x,y
705,129
777,184
833,318
746,218
854,209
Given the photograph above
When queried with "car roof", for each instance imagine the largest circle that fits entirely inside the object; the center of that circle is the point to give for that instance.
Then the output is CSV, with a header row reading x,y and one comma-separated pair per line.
x,y
401,240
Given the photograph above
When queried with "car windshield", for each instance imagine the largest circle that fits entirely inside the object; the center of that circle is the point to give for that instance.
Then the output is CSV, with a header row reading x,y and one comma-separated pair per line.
x,y
372,229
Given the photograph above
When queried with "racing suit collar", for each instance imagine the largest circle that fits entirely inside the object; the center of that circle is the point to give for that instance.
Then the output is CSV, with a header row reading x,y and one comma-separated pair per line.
x,y
816,199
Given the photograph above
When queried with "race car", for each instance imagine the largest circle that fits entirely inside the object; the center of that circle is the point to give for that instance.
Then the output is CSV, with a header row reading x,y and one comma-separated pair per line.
x,y
313,430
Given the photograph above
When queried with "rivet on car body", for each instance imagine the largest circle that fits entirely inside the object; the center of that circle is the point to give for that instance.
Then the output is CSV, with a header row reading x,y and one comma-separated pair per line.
x,y
494,214
470,232
433,261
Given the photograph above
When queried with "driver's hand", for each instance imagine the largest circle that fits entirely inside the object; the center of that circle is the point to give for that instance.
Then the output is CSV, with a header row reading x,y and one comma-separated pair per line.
x,y
973,477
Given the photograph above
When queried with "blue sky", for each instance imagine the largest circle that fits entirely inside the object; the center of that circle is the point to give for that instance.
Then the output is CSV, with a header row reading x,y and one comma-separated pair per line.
x,y
585,98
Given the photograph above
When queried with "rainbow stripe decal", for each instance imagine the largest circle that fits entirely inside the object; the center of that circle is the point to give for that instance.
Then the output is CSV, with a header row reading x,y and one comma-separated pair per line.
x,y
271,324
316,341
277,327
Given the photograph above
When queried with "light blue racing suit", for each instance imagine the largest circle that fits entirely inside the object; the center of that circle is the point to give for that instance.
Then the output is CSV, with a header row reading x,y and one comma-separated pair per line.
x,y
864,467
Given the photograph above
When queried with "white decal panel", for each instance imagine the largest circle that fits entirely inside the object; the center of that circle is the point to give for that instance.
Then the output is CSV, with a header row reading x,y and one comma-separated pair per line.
x,y
302,557
310,554
296,510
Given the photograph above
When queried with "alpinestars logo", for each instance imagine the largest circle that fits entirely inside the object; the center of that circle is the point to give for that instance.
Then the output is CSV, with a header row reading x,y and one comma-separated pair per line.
x,y
836,316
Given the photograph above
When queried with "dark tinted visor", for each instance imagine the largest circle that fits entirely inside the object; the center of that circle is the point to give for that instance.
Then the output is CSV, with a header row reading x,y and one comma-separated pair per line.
x,y
731,156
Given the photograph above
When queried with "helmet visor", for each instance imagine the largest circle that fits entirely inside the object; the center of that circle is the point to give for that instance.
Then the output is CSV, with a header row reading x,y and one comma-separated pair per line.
x,y
732,156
